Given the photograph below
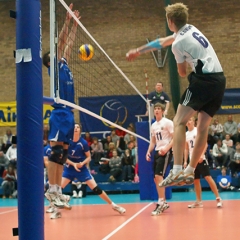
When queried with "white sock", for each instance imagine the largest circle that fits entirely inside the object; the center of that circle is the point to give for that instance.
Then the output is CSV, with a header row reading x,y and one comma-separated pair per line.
x,y
52,188
176,169
160,201
113,204
59,189
189,169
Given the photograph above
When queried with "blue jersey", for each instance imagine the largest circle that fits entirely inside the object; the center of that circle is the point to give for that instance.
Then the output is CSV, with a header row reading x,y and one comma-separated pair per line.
x,y
224,179
66,84
77,150
47,150
76,153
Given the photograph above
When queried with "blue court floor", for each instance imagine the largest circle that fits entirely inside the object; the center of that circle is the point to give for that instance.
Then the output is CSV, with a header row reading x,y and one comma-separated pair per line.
x,y
135,198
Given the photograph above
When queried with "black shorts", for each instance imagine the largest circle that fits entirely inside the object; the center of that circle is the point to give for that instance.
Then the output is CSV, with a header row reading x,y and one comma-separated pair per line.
x,y
161,162
205,92
202,169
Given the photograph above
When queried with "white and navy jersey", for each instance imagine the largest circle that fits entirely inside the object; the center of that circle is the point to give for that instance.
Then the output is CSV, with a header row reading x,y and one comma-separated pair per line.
x,y
77,150
190,139
163,132
66,84
190,45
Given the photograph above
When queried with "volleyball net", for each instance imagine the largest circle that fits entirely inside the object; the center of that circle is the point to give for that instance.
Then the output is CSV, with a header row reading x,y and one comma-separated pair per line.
x,y
98,77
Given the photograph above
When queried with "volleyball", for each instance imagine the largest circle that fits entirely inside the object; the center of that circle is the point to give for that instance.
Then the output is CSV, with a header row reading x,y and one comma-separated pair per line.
x,y
85,52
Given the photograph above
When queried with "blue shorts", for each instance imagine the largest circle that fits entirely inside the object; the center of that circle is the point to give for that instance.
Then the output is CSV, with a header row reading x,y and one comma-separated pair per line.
x,y
70,173
61,125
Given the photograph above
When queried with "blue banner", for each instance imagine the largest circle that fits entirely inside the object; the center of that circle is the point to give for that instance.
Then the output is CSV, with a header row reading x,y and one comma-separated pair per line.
x,y
231,102
113,108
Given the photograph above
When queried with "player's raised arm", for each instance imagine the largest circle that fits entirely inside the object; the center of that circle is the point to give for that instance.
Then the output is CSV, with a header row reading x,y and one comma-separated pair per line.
x,y
62,40
151,46
71,37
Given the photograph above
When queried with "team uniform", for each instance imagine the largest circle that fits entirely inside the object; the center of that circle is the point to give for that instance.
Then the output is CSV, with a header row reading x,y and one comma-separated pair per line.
x,y
76,154
61,121
207,81
162,131
202,168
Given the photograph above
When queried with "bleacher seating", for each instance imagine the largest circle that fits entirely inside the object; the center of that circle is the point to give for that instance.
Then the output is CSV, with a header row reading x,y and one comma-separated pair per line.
x,y
119,186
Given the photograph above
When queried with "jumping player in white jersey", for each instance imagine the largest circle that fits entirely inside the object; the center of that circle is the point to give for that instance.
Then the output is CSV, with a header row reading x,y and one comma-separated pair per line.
x,y
76,167
204,93
161,137
201,169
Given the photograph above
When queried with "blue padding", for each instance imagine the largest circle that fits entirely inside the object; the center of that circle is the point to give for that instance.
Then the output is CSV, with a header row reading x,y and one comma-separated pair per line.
x,y
48,100
147,186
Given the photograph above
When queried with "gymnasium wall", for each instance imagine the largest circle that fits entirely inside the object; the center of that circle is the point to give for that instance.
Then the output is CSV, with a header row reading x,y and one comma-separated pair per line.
x,y
121,25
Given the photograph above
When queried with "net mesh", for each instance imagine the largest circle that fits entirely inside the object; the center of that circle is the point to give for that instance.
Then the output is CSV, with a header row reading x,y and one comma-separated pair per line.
x,y
98,76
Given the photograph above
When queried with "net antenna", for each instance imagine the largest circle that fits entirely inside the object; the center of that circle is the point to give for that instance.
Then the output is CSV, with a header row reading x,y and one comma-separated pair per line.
x,y
54,78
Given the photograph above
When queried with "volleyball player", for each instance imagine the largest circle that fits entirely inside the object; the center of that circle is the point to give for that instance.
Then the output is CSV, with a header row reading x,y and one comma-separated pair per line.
x,y
78,157
161,137
61,121
204,93
202,167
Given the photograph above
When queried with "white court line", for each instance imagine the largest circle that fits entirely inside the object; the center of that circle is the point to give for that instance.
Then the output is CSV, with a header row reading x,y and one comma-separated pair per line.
x,y
130,219
8,211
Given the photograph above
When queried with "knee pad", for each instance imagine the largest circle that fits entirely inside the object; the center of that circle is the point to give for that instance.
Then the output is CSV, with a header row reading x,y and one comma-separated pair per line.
x,y
57,154
97,190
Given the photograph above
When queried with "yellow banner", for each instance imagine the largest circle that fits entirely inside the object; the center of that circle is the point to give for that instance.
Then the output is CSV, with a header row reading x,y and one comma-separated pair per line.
x,y
8,114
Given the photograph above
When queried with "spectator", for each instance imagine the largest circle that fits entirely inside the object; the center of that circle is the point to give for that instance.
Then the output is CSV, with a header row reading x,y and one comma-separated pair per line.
x,y
228,141
11,154
7,140
216,129
238,134
106,143
234,164
112,147
4,161
88,138
127,136
132,149
115,166
131,125
230,127
159,96
220,154
224,181
120,133
115,138
8,184
96,150
128,167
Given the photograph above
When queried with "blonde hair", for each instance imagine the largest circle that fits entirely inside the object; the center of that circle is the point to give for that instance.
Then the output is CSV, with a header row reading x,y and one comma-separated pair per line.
x,y
162,106
177,13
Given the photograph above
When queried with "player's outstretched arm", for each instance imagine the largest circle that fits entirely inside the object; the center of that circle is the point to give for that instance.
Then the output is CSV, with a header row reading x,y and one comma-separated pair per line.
x,y
71,37
62,40
151,46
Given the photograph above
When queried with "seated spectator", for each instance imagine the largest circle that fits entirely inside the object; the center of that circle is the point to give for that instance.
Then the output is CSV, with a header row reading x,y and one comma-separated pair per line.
x,y
216,129
133,139
96,151
115,138
11,154
7,140
132,149
79,189
112,147
228,141
120,132
128,167
238,134
115,166
8,184
3,162
230,127
224,181
127,136
220,154
88,138
131,125
106,143
234,164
